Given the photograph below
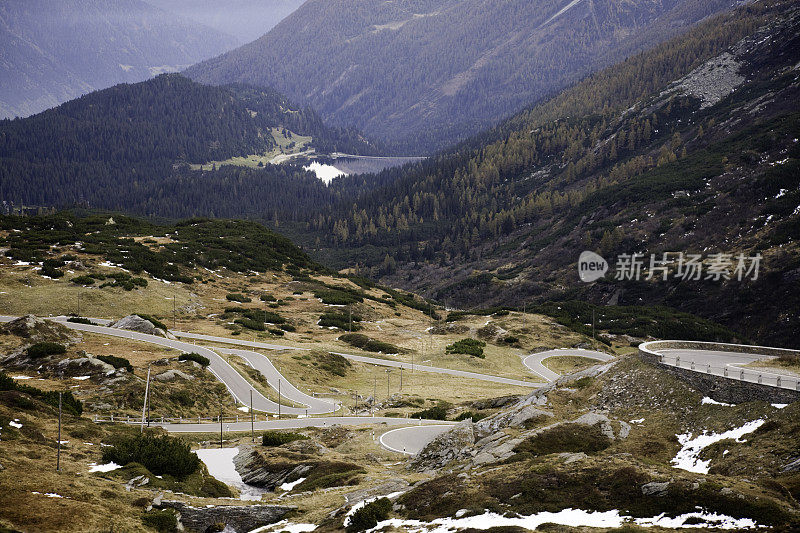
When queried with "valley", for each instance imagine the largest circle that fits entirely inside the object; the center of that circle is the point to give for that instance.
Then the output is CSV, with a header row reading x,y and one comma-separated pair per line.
x,y
430,266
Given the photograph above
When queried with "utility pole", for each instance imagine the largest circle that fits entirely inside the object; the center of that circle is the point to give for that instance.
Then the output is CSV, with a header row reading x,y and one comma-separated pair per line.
x,y
387,383
279,399
351,318
58,453
401,377
220,421
252,421
174,309
374,390
593,337
144,406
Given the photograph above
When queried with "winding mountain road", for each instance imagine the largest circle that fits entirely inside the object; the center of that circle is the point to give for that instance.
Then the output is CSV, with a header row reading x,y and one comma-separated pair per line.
x,y
534,361
408,440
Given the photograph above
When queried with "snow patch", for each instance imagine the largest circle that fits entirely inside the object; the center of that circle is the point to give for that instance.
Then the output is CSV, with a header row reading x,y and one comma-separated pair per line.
x,y
709,401
15,424
94,467
688,457
289,486
285,525
567,517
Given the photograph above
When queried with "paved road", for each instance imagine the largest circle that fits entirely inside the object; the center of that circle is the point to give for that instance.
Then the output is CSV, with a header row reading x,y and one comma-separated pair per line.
x,y
237,342
294,423
410,440
437,370
287,390
722,361
534,361
362,359
237,385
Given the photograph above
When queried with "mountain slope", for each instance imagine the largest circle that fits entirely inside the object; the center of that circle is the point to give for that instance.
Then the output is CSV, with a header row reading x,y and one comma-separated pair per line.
x,y
689,147
246,20
426,73
123,147
55,51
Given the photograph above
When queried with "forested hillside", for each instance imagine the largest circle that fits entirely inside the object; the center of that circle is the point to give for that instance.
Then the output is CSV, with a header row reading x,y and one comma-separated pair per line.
x,y
130,147
688,147
424,74
55,51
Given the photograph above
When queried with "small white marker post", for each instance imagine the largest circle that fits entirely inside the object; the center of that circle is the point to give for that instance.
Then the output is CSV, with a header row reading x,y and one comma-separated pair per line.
x,y
58,453
144,405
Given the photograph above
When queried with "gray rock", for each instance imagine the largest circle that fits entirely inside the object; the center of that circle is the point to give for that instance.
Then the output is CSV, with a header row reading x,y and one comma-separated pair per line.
x,y
140,325
445,448
793,466
237,518
89,360
592,419
307,447
138,481
570,458
655,488
390,487
251,466
40,330
170,375
624,430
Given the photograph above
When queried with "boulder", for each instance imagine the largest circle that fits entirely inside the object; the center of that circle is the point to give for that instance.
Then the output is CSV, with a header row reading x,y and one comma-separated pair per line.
x,y
254,470
139,325
236,518
793,466
446,448
570,458
593,419
307,447
655,488
170,375
390,487
40,330
88,364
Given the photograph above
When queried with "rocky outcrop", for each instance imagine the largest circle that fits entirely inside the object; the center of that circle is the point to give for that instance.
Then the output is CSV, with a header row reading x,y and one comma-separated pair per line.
x,y
255,471
390,487
494,403
307,447
171,375
40,330
86,364
446,448
234,518
655,488
139,325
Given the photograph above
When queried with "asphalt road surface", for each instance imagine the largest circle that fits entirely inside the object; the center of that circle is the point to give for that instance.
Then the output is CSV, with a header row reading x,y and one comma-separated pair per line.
x,y
410,440
534,361
286,389
237,385
437,370
295,423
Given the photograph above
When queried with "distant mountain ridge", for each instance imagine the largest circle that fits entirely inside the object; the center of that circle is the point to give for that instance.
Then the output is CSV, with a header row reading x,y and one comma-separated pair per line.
x,y
246,20
424,74
690,147
52,52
